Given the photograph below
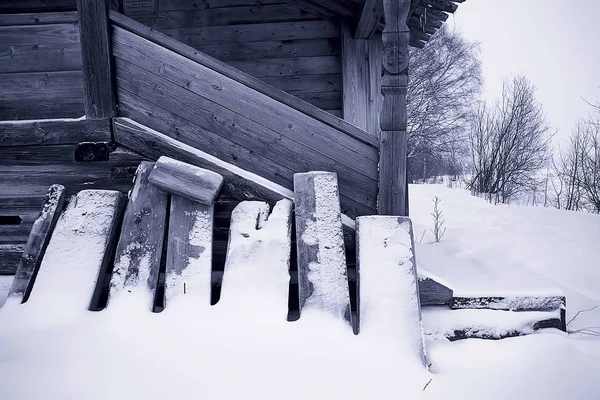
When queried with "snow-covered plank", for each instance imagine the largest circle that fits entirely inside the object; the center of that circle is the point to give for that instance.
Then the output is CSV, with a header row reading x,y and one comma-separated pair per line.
x,y
189,250
322,277
432,292
389,298
486,324
187,180
137,259
258,258
510,303
79,252
37,243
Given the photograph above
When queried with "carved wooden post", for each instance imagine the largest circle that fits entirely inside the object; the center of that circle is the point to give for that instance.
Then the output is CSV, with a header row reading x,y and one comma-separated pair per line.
x,y
392,153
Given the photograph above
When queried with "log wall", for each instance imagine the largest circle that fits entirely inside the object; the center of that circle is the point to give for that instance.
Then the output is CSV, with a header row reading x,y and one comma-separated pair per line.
x,y
40,66
281,44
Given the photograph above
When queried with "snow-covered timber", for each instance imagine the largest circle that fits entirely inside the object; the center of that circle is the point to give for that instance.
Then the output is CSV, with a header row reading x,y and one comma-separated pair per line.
x,y
258,258
322,278
138,255
389,297
189,250
510,303
80,251
37,243
187,180
432,292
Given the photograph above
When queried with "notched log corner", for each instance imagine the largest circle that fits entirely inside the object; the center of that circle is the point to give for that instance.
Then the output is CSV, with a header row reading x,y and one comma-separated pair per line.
x,y
93,151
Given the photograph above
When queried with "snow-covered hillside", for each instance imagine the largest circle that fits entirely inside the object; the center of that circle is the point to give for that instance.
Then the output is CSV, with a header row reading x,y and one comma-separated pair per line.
x,y
194,351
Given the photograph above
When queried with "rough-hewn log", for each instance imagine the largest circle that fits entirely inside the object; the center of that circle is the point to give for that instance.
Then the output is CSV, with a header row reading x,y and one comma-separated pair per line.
x,y
37,243
322,278
187,180
392,145
96,58
139,250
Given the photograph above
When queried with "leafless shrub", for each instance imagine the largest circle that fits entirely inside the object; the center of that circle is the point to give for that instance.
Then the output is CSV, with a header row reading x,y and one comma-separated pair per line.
x,y
438,220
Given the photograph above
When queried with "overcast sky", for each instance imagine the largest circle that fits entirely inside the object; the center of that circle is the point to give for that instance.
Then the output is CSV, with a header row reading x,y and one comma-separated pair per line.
x,y
555,43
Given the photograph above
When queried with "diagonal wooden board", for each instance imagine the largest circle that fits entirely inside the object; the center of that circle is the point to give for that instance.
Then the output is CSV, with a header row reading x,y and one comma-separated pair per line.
x,y
37,243
79,251
322,276
389,295
138,254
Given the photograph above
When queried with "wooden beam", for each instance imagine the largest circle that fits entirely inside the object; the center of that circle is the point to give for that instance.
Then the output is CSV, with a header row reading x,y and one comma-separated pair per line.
x,y
393,118
369,19
37,243
53,132
96,58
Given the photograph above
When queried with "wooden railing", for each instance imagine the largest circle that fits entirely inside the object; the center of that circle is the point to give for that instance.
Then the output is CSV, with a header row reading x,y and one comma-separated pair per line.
x,y
207,104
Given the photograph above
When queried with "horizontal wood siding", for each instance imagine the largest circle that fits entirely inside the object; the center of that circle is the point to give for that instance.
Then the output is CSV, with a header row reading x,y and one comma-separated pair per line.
x,y
283,45
40,66
223,117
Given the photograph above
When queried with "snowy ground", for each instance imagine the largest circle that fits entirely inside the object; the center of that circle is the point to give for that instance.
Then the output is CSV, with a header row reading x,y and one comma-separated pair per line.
x,y
232,350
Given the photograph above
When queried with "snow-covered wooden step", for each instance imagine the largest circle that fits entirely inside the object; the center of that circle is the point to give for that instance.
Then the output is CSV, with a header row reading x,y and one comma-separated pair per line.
x,y
486,324
37,243
138,255
322,276
389,299
258,259
189,250
79,251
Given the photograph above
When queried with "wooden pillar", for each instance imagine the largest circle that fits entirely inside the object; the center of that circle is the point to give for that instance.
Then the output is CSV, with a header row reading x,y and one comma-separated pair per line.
x,y
96,58
392,153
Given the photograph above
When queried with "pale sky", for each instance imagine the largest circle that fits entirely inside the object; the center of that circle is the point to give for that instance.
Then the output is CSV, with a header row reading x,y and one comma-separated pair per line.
x,y
555,43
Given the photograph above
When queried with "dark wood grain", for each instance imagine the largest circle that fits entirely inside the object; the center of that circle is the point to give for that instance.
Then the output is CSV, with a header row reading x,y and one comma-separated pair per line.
x,y
37,242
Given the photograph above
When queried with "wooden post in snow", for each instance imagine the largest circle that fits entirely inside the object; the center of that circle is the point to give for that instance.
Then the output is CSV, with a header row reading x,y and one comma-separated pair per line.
x,y
392,143
96,58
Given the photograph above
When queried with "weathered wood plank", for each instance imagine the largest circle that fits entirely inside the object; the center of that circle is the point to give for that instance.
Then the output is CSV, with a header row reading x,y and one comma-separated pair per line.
x,y
389,296
96,58
323,100
258,259
355,78
195,183
10,257
284,152
259,32
234,73
510,303
189,250
432,293
33,86
306,83
78,252
41,108
47,34
40,58
32,18
138,255
14,6
36,244
53,132
322,279
293,66
368,21
225,16
172,5
239,98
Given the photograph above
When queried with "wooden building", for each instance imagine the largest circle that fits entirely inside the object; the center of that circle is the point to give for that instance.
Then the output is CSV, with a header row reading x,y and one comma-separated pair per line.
x,y
274,87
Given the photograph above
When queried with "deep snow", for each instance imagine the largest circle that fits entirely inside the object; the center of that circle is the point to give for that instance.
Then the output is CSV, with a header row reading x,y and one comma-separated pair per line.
x,y
200,352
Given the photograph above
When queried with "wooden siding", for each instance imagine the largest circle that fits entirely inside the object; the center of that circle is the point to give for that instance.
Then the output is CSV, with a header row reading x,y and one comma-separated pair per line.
x,y
283,45
204,108
40,66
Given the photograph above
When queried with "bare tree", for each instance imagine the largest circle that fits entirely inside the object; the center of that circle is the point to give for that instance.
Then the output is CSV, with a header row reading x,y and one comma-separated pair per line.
x,y
445,79
509,144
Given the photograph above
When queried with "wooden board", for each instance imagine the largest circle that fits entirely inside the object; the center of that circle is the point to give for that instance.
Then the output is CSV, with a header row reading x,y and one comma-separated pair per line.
x,y
510,303
47,34
256,275
41,109
389,296
36,244
78,253
322,279
186,180
189,251
40,58
433,293
10,257
34,17
139,251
